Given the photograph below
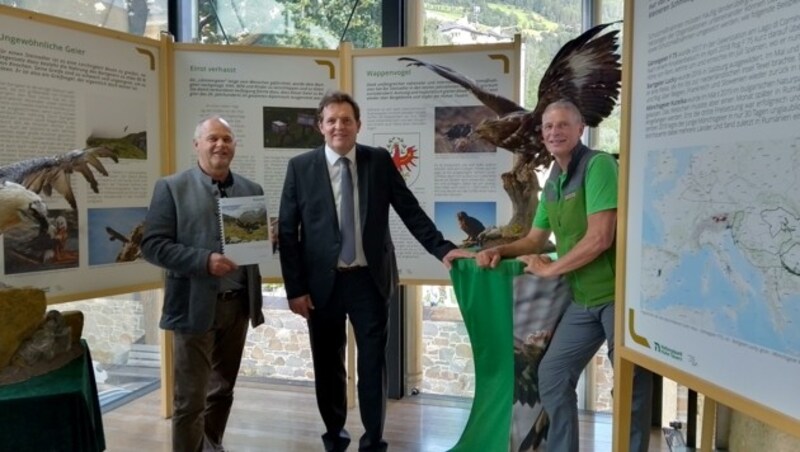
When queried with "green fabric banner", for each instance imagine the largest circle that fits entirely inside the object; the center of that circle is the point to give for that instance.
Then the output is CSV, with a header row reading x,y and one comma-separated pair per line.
x,y
485,297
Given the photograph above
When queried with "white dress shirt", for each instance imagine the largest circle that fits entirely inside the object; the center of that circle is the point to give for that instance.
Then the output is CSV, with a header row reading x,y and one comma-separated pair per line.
x,y
335,172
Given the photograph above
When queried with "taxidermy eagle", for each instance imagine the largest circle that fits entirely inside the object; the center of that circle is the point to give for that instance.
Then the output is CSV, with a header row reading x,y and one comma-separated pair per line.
x,y
21,183
585,71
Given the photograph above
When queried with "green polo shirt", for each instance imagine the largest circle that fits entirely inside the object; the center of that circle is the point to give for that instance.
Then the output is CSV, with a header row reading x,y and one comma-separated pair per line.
x,y
591,189
601,189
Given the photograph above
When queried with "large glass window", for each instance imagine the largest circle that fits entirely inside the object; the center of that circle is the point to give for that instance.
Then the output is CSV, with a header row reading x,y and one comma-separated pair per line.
x,y
607,138
290,23
139,17
123,337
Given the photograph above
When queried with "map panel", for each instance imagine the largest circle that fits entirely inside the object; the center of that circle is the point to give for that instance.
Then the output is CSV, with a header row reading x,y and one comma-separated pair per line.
x,y
721,242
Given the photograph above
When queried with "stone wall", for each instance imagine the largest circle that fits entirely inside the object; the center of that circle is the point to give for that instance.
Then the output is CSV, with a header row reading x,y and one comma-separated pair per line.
x,y
280,347
446,354
110,325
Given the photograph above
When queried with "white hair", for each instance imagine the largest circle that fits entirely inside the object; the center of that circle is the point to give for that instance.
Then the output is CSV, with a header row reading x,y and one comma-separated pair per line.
x,y
198,130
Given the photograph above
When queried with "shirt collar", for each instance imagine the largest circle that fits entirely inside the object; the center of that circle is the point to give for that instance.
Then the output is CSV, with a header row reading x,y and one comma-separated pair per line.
x,y
332,157
224,184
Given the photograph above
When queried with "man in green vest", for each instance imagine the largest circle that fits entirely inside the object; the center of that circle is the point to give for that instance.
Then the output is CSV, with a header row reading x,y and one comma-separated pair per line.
x,y
579,206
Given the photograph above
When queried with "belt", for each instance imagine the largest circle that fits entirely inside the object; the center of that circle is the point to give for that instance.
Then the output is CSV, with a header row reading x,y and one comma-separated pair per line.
x,y
231,295
350,269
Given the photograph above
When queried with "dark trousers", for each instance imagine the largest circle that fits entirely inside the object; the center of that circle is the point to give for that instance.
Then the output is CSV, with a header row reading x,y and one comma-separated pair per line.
x,y
355,296
206,366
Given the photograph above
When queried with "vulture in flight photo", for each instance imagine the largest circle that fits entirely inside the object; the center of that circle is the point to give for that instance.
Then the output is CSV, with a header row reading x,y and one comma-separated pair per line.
x,y
23,181
585,71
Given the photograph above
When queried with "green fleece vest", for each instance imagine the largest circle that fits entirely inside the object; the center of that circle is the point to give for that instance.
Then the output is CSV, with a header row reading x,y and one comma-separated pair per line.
x,y
592,284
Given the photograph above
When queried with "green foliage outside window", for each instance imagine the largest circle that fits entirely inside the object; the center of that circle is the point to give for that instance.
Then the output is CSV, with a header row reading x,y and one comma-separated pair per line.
x,y
290,23
545,25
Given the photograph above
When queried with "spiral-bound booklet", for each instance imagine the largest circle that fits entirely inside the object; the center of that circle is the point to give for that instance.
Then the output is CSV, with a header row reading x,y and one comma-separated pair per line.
x,y
244,225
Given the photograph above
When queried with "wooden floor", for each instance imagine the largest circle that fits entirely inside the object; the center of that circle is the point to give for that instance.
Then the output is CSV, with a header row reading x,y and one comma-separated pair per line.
x,y
283,418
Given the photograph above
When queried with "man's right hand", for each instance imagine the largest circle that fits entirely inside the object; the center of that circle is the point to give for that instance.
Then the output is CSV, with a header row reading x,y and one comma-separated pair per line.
x,y
488,258
302,305
219,265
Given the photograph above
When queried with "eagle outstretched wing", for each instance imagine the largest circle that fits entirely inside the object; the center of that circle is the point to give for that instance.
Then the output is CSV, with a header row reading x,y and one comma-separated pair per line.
x,y
48,174
495,102
585,71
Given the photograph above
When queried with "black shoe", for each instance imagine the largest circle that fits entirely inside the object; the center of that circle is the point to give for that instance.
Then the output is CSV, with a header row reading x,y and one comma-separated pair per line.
x,y
369,445
336,442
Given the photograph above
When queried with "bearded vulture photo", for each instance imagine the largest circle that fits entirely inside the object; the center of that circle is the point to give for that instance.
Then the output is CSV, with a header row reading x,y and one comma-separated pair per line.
x,y
23,181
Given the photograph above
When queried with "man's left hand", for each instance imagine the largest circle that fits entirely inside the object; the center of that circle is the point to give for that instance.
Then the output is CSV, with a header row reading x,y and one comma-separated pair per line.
x,y
539,265
455,253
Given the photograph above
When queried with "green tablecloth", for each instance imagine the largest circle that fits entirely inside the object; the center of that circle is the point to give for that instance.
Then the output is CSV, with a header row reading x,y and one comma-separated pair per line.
x,y
489,323
58,411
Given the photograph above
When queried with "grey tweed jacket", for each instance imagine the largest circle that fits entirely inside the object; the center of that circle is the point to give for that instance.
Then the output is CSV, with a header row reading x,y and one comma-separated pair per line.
x,y
181,231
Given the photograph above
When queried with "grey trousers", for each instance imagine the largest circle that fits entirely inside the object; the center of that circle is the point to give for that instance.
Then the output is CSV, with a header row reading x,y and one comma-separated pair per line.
x,y
578,336
206,366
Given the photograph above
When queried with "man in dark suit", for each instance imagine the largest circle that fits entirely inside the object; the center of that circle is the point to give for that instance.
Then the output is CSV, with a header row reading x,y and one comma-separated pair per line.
x,y
207,297
338,261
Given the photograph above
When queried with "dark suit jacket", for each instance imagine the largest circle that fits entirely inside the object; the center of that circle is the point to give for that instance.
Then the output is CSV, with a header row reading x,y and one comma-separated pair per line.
x,y
309,228
181,230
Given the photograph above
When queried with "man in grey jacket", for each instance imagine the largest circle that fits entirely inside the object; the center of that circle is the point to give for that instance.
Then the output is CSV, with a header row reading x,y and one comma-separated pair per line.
x,y
207,297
